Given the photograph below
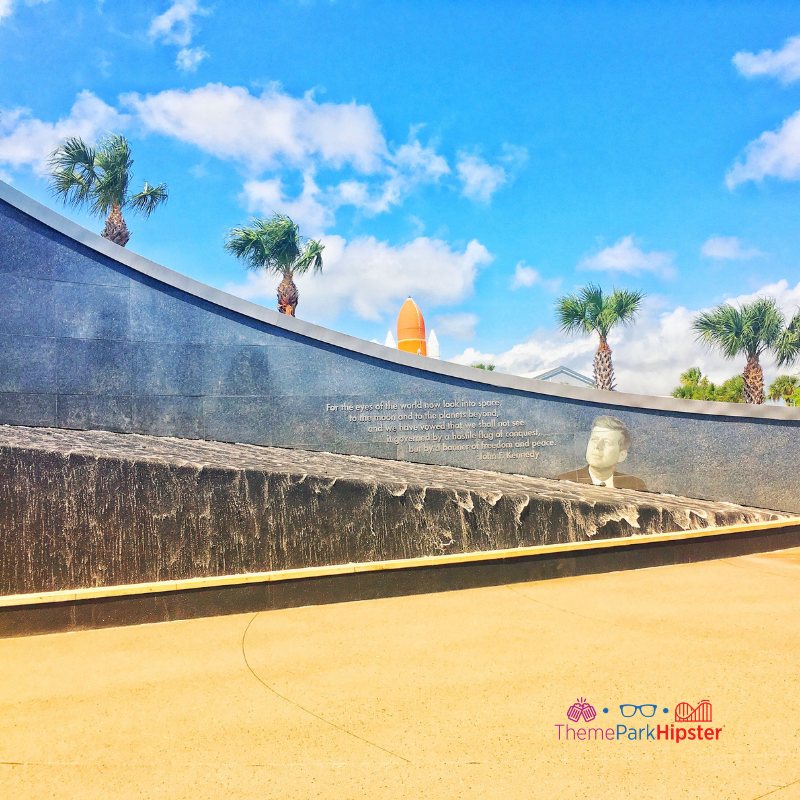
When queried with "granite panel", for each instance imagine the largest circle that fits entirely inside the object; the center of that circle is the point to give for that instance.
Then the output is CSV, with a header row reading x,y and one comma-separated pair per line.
x,y
314,369
168,416
79,264
27,364
168,369
238,419
236,370
29,247
297,421
82,411
95,367
28,409
222,326
160,313
91,312
27,306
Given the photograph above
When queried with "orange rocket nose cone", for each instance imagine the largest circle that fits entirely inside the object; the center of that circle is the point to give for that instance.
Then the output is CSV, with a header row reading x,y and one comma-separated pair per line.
x,y
411,329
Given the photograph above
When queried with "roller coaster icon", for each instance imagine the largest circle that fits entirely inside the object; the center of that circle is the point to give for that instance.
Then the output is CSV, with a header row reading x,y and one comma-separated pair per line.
x,y
685,713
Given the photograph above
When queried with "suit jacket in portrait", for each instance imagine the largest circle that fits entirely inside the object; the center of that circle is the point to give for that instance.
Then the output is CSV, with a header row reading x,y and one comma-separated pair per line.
x,y
621,480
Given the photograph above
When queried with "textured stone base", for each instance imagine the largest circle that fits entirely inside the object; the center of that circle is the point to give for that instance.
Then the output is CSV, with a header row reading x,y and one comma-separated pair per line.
x,y
81,509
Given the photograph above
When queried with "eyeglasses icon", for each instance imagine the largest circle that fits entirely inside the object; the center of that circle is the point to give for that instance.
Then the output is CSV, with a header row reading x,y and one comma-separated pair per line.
x,y
629,710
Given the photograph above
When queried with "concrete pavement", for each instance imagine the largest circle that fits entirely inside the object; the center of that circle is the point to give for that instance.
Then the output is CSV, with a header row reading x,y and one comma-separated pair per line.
x,y
453,695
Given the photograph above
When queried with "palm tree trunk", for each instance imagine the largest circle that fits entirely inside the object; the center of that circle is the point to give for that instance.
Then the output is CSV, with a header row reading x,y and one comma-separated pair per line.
x,y
753,382
116,230
603,368
288,297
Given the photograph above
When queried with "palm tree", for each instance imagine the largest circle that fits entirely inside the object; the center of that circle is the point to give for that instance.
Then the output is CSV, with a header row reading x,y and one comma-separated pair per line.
x,y
752,330
99,177
696,386
590,311
784,388
275,246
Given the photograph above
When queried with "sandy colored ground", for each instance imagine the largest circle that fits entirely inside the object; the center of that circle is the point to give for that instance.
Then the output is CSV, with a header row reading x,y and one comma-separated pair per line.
x,y
452,695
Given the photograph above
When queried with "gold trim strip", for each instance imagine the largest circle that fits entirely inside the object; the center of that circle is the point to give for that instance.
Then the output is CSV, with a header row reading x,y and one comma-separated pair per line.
x,y
376,566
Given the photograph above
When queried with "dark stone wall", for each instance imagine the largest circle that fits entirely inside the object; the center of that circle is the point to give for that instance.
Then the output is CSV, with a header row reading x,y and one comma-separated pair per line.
x,y
83,509
87,342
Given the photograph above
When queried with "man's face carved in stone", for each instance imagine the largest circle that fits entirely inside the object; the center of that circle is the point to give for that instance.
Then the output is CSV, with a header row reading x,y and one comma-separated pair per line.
x,y
604,449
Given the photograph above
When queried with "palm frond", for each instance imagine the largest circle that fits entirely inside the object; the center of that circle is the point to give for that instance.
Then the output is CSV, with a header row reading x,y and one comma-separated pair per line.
x,y
782,387
245,243
623,305
751,329
590,311
74,152
787,347
273,244
114,161
571,314
149,199
576,313
73,189
722,327
73,170
764,324
691,377
311,258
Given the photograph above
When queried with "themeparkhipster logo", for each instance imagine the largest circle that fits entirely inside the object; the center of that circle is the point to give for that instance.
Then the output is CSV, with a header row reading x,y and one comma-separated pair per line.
x,y
632,730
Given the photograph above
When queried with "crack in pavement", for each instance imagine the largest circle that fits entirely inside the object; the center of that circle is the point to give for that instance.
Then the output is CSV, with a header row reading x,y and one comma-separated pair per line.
x,y
756,569
303,708
565,610
779,789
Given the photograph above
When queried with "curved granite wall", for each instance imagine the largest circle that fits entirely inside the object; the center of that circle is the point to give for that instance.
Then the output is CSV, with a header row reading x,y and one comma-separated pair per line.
x,y
95,337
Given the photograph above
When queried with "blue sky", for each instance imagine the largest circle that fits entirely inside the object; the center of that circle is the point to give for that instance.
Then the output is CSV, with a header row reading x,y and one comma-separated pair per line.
x,y
483,158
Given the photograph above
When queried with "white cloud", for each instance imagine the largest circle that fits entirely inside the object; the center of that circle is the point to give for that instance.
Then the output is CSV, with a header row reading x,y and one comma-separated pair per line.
x,y
728,248
783,64
424,162
266,197
189,58
627,258
787,297
315,207
371,278
525,277
514,155
544,350
262,132
176,25
479,179
411,165
648,357
459,326
27,142
275,131
7,7
774,153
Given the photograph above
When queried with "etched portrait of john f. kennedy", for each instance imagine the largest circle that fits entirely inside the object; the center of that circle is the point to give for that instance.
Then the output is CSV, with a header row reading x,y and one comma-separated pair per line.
x,y
608,446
